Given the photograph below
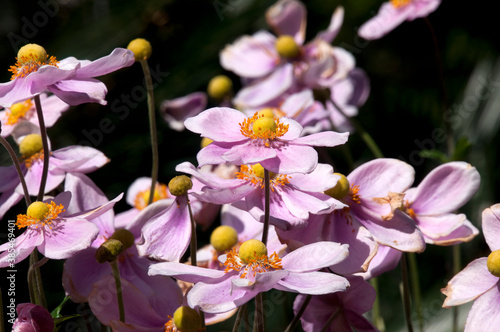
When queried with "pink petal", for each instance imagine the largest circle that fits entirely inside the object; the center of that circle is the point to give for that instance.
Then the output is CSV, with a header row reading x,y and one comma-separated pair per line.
x,y
327,138
314,283
250,152
185,272
319,180
484,316
288,17
292,159
251,56
445,189
167,235
464,233
333,29
221,124
23,246
80,91
176,111
312,257
385,260
7,200
82,159
67,237
378,177
473,281
263,281
81,272
212,154
387,18
441,225
491,226
266,89
119,58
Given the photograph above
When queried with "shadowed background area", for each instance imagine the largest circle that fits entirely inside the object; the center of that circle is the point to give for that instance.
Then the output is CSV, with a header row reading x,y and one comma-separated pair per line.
x,y
406,107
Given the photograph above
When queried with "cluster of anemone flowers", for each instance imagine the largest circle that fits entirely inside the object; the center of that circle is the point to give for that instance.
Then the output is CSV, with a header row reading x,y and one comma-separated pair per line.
x,y
282,219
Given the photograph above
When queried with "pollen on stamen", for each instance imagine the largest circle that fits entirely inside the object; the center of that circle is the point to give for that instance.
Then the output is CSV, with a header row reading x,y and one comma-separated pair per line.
x,y
142,198
24,220
247,130
400,3
18,111
255,265
249,173
409,211
353,193
29,64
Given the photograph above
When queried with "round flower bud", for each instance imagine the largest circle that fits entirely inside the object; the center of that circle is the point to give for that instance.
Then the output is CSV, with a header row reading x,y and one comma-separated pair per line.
x,y
264,124
37,210
187,319
180,185
219,86
252,249
109,251
30,53
266,112
124,236
205,141
341,189
493,263
141,48
287,47
223,238
30,145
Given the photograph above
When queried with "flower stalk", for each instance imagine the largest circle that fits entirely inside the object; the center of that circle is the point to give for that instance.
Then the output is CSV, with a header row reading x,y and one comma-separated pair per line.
x,y
267,204
152,128
15,161
119,293
46,152
295,321
192,245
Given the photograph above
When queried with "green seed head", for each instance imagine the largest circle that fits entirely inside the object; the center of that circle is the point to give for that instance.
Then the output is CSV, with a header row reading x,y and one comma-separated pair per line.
x,y
341,189
180,185
187,319
287,47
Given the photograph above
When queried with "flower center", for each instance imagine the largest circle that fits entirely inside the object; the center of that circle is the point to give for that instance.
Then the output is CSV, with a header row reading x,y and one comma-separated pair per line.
x,y
408,210
400,3
341,189
287,47
19,110
29,58
252,258
263,127
223,238
142,198
493,263
39,213
255,174
180,185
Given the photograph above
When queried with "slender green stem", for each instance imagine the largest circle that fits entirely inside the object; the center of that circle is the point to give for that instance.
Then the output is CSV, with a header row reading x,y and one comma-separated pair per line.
x,y
35,285
152,128
365,136
258,323
267,203
15,161
456,268
239,317
406,292
415,283
377,319
295,321
45,144
192,247
119,292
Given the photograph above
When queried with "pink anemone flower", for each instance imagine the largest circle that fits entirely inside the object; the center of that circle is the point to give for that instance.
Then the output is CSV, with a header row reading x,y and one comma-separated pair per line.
x,y
241,140
480,280
391,14
32,318
70,79
220,291
56,233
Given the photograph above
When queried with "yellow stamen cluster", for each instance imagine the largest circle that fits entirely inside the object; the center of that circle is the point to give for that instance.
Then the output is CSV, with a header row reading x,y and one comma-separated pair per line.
x,y
400,3
142,198
39,215
29,58
258,264
255,174
265,131
18,111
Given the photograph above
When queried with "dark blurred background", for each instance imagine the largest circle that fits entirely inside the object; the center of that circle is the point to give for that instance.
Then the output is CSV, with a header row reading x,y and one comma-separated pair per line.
x,y
405,106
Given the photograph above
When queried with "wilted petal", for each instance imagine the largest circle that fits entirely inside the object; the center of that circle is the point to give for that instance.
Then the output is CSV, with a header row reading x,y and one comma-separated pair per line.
x,y
468,284
484,316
